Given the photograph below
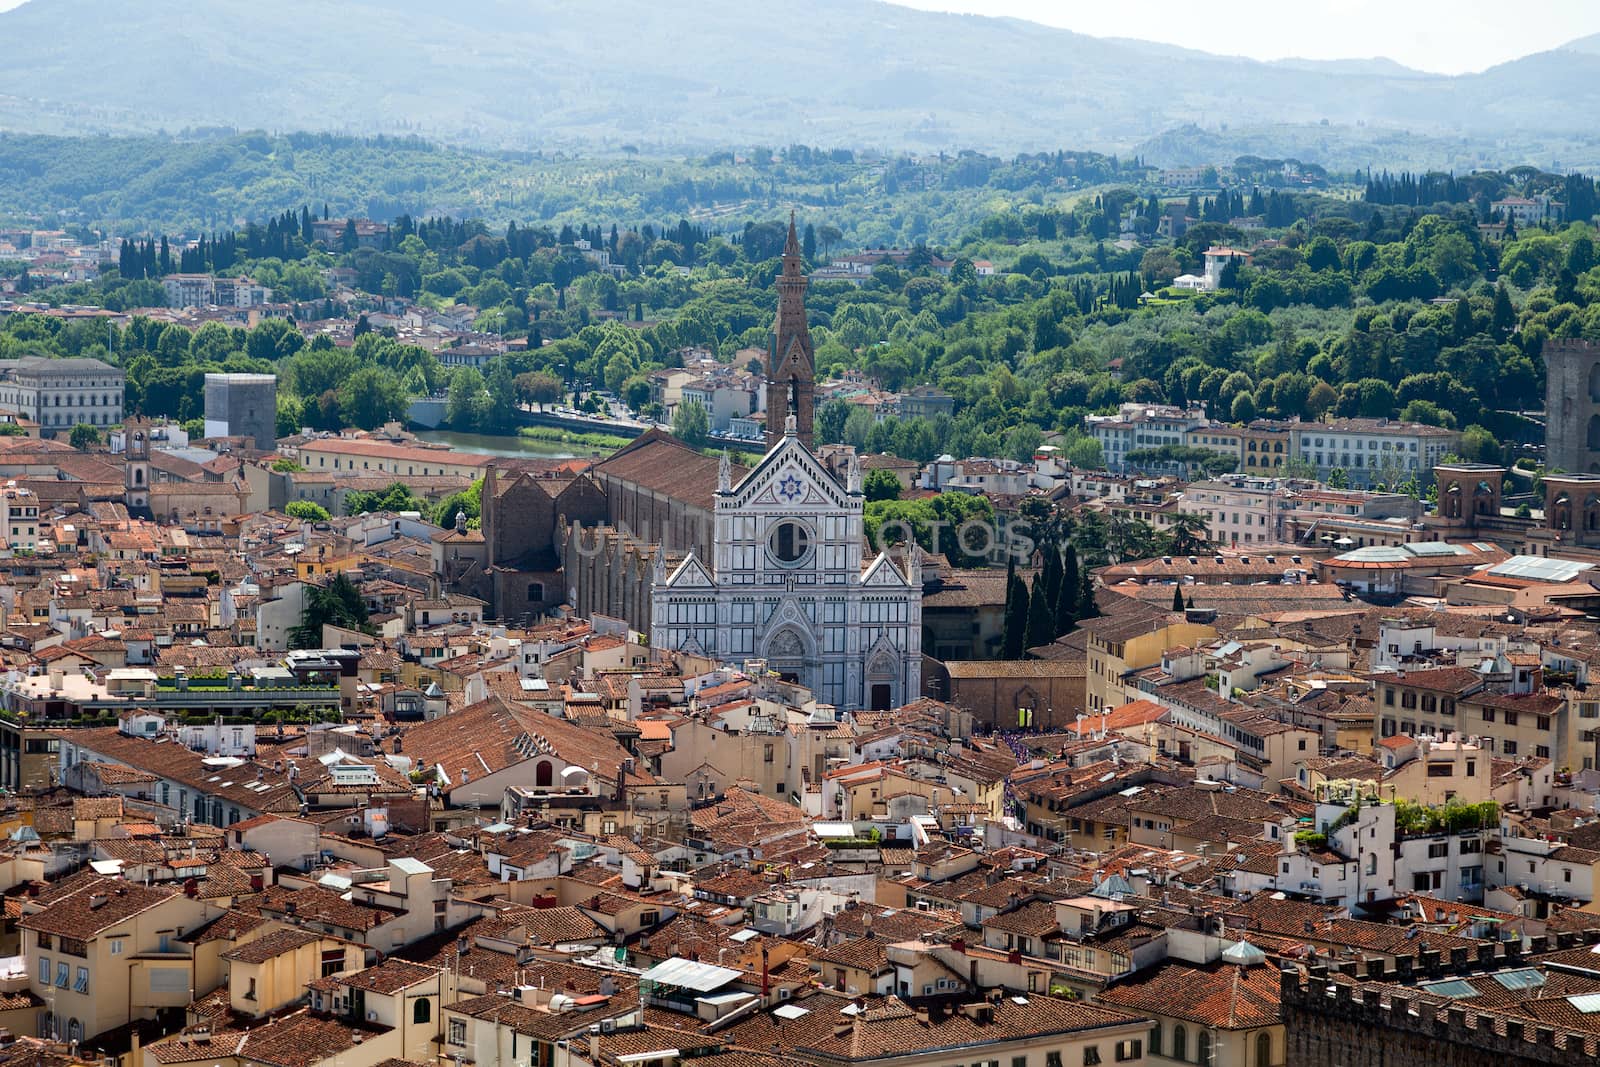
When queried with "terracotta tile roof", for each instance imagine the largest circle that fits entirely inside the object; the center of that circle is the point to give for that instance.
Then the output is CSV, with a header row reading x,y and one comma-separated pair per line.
x,y
230,927
868,954
390,976
315,904
553,926
84,907
1037,918
494,734
177,763
116,774
895,924
889,1023
301,1039
1219,996
267,946
660,462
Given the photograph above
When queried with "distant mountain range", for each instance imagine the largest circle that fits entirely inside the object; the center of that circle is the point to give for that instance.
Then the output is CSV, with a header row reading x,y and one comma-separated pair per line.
x,y
599,74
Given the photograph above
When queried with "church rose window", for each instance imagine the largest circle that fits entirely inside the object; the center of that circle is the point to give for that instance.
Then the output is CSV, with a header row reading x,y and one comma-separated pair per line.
x,y
789,542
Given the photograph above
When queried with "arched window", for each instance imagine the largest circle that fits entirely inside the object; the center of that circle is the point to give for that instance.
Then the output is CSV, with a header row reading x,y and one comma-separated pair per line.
x,y
1264,1049
421,1012
543,773
1203,1049
74,1031
1180,1043
1155,1039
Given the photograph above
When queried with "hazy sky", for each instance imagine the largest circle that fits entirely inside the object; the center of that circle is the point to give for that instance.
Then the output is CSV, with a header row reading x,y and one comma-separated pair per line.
x,y
1446,36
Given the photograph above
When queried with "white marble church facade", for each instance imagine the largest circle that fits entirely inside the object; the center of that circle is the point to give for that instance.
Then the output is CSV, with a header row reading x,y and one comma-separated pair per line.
x,y
787,586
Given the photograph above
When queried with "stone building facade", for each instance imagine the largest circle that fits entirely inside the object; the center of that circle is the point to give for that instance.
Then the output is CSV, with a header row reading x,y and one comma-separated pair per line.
x,y
517,568
243,405
1572,406
1339,1022
58,394
785,584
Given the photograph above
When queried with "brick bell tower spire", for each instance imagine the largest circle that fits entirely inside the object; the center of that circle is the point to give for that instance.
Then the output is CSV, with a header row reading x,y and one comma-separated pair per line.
x,y
791,377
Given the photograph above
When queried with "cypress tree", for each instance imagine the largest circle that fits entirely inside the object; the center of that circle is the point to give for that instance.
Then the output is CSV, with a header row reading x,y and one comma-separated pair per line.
x,y
1504,319
1016,629
1041,617
1087,608
1052,576
1461,324
1011,596
1067,598
1177,598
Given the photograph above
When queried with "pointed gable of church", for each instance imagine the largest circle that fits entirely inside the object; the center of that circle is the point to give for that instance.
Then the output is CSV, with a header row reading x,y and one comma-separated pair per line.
x,y
884,574
690,575
789,476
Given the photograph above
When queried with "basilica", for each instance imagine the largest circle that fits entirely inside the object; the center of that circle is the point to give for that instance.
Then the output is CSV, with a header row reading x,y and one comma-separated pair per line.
x,y
785,586
785,583
707,557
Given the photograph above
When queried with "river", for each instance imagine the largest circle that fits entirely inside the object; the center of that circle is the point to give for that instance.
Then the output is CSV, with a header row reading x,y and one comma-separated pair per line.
x,y
482,444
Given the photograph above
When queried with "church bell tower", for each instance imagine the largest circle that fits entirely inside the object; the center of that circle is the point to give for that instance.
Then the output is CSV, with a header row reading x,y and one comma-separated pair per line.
x,y
791,377
136,476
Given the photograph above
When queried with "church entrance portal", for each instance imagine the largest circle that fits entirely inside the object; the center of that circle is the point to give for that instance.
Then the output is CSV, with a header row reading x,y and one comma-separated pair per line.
x,y
786,656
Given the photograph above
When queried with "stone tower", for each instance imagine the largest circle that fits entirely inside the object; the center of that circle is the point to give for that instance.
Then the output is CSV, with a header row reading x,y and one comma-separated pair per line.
x,y
136,476
1572,406
791,371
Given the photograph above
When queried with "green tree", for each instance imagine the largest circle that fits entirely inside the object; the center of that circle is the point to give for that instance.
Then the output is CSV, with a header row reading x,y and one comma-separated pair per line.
x,y
539,387
1041,615
397,497
337,603
1504,317
880,484
691,424
830,422
1014,641
501,392
1479,445
1244,408
1177,598
1067,599
84,436
467,403
306,511
290,416
1087,608
1188,534
371,397
467,502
